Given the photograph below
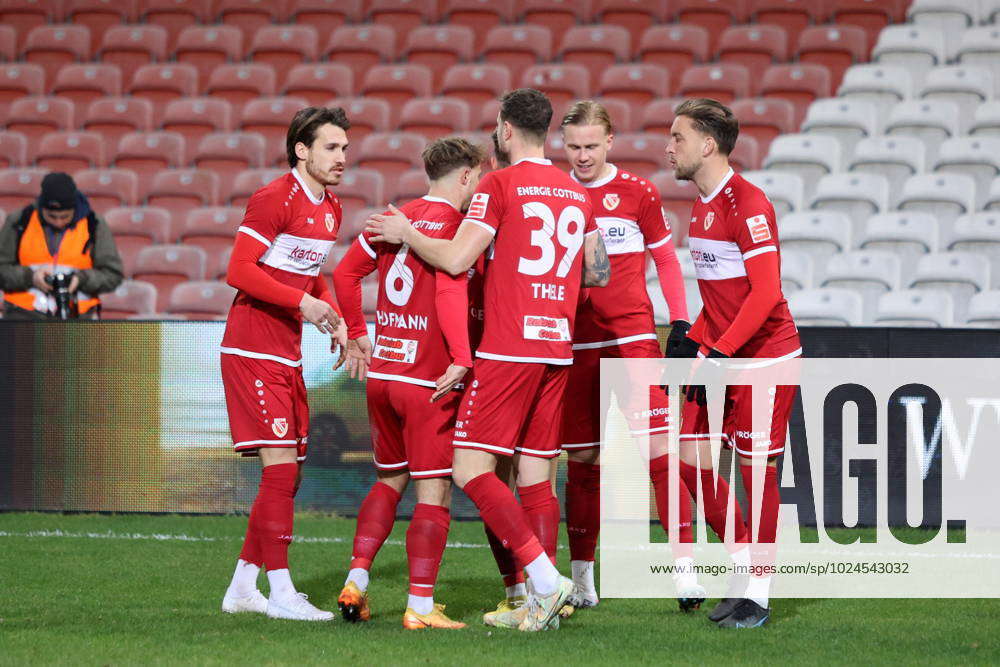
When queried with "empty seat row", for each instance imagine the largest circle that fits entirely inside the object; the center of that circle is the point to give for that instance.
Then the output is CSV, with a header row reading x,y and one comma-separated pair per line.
x,y
193,300
838,306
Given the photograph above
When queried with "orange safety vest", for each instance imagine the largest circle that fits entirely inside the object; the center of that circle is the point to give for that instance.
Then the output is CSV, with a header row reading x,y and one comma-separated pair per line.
x,y
73,255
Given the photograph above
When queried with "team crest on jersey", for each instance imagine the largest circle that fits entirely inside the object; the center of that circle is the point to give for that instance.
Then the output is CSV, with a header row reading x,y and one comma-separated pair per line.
x,y
280,427
709,219
328,220
611,201
477,207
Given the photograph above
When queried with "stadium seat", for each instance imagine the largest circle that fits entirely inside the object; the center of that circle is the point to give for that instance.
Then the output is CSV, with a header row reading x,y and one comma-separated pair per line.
x,y
848,121
411,185
786,190
270,118
797,270
248,182
559,16
884,85
827,307
148,153
746,154
284,47
596,47
871,16
870,273
132,46
367,115
397,84
180,190
965,85
476,84
917,48
756,47
640,153
946,196
439,47
161,84
635,17
984,310
218,267
70,151
114,117
858,195
324,15
961,274
562,84
315,82
25,16
478,15
20,186
13,150
812,156
620,112
175,16
932,121
361,188
53,46
952,17
487,121
978,157
795,16
915,308
992,202
981,47
986,121
361,46
249,15
723,82
978,233
211,228
820,234
19,80
677,198
434,117
908,235
85,83
166,266
517,47
636,84
34,117
711,15
195,117
207,47
132,297
239,84
764,119
836,47
201,300
355,224
135,228
895,157
391,153
227,154
799,84
555,150
108,188
674,48
403,15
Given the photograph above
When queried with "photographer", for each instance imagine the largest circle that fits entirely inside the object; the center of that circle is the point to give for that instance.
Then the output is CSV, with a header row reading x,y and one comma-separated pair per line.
x,y
56,256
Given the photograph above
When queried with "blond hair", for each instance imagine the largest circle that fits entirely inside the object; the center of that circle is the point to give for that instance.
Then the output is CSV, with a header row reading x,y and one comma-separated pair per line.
x,y
588,112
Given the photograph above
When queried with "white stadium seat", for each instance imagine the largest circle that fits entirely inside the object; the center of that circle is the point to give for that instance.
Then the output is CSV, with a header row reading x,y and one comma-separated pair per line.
x,y
984,310
992,201
989,11
979,233
915,47
812,156
797,270
981,46
961,274
847,120
858,195
884,85
945,196
978,157
932,121
948,15
661,313
965,85
907,235
786,190
818,233
897,158
827,306
986,121
871,273
686,262
915,308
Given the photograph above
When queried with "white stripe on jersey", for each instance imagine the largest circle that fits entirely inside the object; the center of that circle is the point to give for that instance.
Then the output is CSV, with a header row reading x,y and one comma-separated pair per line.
x,y
297,254
402,378
364,245
621,235
716,260
260,355
255,234
653,246
759,251
613,342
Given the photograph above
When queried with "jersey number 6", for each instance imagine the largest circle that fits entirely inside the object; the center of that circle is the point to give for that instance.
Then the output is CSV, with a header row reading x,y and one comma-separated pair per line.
x,y
572,240
399,278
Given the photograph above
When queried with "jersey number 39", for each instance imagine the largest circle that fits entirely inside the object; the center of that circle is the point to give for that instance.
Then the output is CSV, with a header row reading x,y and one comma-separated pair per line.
x,y
568,230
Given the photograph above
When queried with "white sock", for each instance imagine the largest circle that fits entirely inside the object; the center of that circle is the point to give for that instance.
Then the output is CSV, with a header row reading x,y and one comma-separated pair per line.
x,y
758,590
516,591
544,575
360,578
583,574
684,572
244,578
281,584
742,559
420,604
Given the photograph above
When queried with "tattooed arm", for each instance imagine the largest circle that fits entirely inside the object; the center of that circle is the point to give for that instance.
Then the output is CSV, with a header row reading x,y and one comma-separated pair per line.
x,y
596,265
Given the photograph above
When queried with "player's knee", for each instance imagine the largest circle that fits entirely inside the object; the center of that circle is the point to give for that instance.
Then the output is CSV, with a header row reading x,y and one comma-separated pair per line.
x,y
433,491
395,479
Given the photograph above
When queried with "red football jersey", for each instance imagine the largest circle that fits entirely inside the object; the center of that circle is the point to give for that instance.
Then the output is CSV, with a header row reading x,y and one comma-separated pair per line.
x,y
299,232
538,216
628,213
733,224
409,345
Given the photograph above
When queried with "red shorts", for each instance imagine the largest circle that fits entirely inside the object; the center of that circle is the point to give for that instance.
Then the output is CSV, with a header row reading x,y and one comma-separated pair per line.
x,y
581,427
512,407
737,421
410,432
267,404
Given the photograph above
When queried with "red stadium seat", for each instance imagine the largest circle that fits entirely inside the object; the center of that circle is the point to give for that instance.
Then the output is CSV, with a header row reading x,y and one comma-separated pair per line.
x,y
868,15
391,153
438,48
518,47
166,266
487,121
411,185
325,15
180,190
53,46
634,15
479,15
636,84
562,83
270,118
284,47
799,84
148,153
367,115
219,266
19,80
658,116
555,150
360,188
239,84
403,15
136,227
712,15
25,15
131,298
13,150
114,117
201,300
835,46
792,15
206,47
764,119
250,181
355,224
212,228
556,15
194,117
8,43
229,153
674,47
746,154
756,47
476,84
175,15
435,117
397,84
162,83
34,117
596,47
99,15
315,82
70,151
723,82
361,47
85,83
622,118
108,188
677,198
20,186
248,15
640,153
132,46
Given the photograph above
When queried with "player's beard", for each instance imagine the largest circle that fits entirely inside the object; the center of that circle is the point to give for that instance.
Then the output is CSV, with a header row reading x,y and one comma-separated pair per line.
x,y
686,172
503,157
323,178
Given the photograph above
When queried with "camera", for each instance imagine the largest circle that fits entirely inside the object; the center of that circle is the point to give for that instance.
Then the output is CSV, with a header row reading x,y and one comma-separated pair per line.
x,y
66,305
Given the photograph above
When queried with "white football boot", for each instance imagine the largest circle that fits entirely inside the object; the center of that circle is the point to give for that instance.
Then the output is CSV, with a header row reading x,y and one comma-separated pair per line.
x,y
255,602
297,608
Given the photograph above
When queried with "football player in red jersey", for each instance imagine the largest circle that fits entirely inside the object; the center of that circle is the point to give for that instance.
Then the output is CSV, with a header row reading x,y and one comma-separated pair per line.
x,y
539,226
617,322
288,230
421,353
734,242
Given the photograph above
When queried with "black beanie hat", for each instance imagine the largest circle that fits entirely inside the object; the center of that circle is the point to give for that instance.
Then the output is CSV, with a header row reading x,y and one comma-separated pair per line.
x,y
58,191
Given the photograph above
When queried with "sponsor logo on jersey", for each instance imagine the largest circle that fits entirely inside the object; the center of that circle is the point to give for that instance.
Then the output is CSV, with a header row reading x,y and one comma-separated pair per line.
x,y
297,254
280,426
709,219
307,256
666,221
310,221
329,222
395,349
611,201
541,327
759,231
477,207
428,224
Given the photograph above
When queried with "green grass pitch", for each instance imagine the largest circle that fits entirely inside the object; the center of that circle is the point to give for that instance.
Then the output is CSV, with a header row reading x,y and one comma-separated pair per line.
x,y
130,589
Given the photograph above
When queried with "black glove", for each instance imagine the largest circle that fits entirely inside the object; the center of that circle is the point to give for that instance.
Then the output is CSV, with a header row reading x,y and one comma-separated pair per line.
x,y
678,334
696,392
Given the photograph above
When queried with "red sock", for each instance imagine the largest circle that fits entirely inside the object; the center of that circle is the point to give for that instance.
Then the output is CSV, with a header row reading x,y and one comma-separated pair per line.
x,y
659,474
251,552
541,508
375,520
583,508
273,513
425,542
762,548
500,511
716,497
510,571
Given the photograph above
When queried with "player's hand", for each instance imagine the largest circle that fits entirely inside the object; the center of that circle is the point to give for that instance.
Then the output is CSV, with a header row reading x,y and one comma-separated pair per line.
x,y
447,382
390,228
338,343
694,391
320,313
38,279
359,357
677,338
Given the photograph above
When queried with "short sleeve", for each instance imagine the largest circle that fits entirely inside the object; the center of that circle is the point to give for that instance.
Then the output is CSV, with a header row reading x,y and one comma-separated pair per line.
x,y
265,217
591,225
652,220
487,206
753,226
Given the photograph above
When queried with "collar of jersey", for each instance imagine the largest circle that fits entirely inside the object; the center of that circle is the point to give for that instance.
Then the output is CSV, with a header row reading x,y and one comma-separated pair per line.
x,y
536,160
598,183
440,200
298,177
718,188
